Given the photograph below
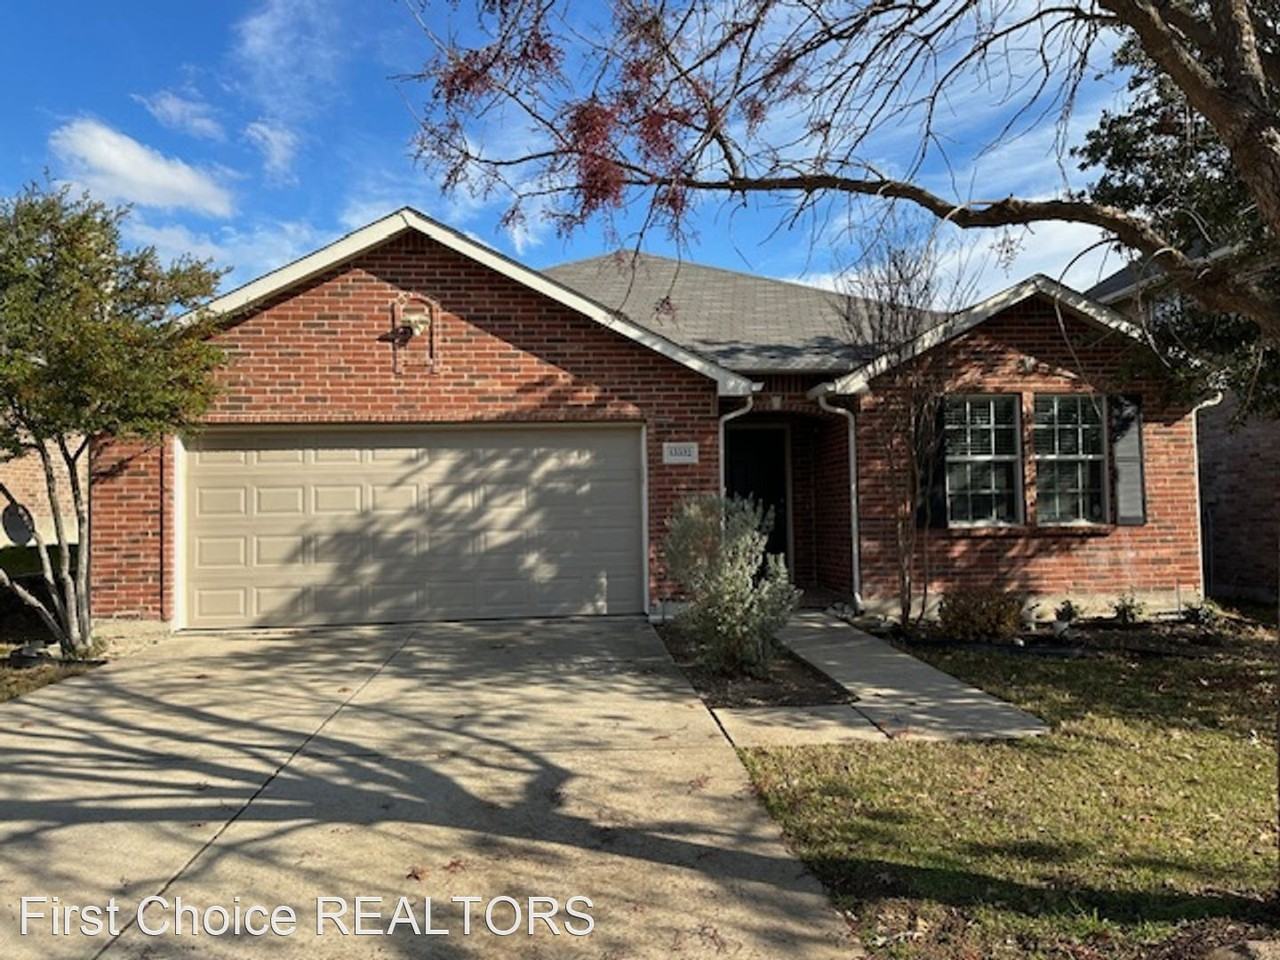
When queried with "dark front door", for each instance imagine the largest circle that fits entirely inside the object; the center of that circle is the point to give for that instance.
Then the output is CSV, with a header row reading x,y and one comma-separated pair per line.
x,y
756,467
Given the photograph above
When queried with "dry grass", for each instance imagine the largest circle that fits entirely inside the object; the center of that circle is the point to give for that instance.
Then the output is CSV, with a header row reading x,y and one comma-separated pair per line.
x,y
1142,826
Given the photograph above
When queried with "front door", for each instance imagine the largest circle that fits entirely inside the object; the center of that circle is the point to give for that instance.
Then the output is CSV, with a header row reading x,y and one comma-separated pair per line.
x,y
756,467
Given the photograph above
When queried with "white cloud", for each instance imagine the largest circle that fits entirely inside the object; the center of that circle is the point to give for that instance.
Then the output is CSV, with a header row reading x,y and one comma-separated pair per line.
x,y
970,269
249,251
114,166
172,240
289,53
823,279
278,145
1067,252
187,114
381,191
533,227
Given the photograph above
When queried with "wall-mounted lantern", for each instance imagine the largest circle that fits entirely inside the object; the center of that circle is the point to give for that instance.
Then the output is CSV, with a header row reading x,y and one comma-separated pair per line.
x,y
412,317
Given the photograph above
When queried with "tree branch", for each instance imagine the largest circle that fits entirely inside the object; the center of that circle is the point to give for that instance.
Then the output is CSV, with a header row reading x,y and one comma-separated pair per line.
x,y
1205,279
42,551
23,594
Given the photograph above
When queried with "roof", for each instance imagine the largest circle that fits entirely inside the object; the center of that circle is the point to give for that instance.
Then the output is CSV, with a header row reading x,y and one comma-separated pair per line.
x,y
721,323
748,323
1144,272
1116,286
958,323
729,383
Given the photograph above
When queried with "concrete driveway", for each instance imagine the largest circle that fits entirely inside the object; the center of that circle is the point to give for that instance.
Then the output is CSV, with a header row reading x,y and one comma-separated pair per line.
x,y
549,759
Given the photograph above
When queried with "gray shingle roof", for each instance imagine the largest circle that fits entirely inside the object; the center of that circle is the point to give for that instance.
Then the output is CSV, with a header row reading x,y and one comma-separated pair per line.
x,y
1105,289
748,323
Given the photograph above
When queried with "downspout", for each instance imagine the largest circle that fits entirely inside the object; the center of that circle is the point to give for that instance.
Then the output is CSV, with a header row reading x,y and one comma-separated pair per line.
x,y
731,415
855,548
1195,446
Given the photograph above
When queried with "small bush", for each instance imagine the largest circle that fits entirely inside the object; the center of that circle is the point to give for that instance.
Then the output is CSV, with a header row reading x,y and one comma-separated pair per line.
x,y
737,597
1066,611
1129,609
982,614
1203,615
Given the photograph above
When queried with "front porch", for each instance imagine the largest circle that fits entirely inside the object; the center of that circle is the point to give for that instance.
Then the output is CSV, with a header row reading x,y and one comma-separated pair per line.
x,y
792,456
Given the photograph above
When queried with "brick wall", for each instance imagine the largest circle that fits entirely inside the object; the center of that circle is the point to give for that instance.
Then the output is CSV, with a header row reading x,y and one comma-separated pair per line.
x,y
25,479
831,506
1025,351
1239,466
131,519
504,353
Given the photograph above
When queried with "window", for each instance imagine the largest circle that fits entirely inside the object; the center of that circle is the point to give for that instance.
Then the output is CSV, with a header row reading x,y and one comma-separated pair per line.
x,y
1071,459
982,452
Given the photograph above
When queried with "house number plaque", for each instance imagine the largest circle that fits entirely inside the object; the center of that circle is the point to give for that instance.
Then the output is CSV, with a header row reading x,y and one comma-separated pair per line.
x,y
680,452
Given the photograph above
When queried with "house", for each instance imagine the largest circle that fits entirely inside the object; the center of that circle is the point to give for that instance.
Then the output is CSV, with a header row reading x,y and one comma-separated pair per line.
x,y
24,478
413,426
1239,463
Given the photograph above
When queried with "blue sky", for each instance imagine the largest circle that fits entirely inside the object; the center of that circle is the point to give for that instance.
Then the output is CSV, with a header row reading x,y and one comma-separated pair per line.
x,y
254,132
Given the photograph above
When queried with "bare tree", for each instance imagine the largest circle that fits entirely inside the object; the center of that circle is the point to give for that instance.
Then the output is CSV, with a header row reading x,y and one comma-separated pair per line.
x,y
667,100
898,291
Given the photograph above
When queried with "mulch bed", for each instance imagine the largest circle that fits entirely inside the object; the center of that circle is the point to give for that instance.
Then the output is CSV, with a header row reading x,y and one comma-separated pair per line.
x,y
1098,637
789,681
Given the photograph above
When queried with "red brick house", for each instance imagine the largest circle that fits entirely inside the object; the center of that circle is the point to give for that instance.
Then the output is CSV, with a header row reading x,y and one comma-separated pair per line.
x,y
415,427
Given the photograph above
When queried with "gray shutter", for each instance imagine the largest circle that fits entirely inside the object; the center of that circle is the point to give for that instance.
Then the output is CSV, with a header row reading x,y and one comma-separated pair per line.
x,y
1128,484
931,506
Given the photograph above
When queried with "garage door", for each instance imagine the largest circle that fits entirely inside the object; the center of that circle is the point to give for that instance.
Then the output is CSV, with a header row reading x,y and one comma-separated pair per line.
x,y
378,526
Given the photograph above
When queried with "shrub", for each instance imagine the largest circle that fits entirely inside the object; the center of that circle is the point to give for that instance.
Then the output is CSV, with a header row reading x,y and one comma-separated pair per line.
x,y
1129,609
1066,611
737,597
980,614
1202,615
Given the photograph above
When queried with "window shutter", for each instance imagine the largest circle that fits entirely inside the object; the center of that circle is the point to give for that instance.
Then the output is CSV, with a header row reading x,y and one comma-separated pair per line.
x,y
932,507
1128,489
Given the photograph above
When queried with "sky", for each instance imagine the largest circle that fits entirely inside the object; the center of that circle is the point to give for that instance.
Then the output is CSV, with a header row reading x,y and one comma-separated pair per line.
x,y
253,132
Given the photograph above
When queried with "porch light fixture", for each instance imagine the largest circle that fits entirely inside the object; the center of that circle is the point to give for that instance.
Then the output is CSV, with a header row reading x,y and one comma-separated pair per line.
x,y
411,316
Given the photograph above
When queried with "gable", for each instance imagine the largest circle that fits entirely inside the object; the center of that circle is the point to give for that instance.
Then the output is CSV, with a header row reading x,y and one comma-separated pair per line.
x,y
245,298
494,350
958,324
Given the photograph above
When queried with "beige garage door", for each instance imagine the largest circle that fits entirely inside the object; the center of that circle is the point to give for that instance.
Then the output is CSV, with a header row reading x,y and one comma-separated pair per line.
x,y
372,526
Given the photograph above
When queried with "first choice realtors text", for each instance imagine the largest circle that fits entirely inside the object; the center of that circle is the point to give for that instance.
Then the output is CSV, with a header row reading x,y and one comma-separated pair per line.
x,y
358,916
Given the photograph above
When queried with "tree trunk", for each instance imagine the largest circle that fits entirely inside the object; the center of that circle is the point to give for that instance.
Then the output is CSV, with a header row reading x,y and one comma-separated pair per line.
x,y
81,506
74,642
42,551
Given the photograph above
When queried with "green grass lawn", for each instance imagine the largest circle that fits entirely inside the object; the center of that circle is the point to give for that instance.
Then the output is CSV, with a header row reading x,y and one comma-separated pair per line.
x,y
1141,825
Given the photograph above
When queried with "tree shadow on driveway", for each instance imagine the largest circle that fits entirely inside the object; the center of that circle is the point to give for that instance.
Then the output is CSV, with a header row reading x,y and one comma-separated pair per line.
x,y
556,758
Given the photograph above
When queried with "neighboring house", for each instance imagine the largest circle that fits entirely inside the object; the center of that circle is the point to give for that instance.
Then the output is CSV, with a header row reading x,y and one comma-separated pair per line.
x,y
24,478
413,426
1239,464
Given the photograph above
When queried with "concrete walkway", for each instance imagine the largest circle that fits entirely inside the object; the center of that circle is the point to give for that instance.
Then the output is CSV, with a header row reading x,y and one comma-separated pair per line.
x,y
898,697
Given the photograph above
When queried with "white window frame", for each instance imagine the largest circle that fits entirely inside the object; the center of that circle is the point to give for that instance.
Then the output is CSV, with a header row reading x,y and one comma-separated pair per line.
x,y
1019,490
1104,458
